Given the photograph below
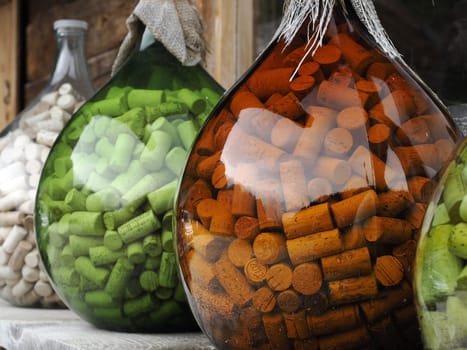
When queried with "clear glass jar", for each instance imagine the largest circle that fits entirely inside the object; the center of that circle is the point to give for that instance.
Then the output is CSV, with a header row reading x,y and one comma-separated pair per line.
x,y
104,224
441,263
298,229
24,146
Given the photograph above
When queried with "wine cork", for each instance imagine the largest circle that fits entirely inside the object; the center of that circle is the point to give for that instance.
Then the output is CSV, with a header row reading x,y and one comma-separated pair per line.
x,y
354,119
268,204
276,331
338,96
255,272
311,343
279,277
352,290
258,122
422,188
373,89
293,182
353,339
351,263
16,261
266,82
388,270
243,201
387,230
356,55
301,86
319,189
205,168
209,246
386,334
444,149
338,142
205,209
338,171
316,304
269,248
328,57
307,278
334,321
354,209
233,281
354,185
239,252
222,223
272,99
378,137
414,131
288,106
297,327
405,253
285,134
289,301
393,203
394,110
316,218
264,300
395,81
312,247
246,227
343,76
313,69
380,70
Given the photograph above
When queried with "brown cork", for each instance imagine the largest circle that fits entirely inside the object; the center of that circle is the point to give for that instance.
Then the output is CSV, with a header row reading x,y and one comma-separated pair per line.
x,y
387,230
416,214
316,304
380,71
339,96
198,191
421,188
353,339
255,272
414,159
233,281
445,149
268,204
209,246
354,185
302,85
405,315
334,321
276,331
239,252
272,99
223,133
218,179
316,218
243,201
405,253
394,110
338,142
312,69
294,185
393,203
288,301
353,237
319,189
307,278
354,209
285,134
246,227
269,248
388,270
352,290
328,57
356,55
378,137
242,100
288,106
222,223
279,277
351,263
205,210
438,127
203,273
213,304
307,344
414,132
224,197
264,83
297,327
314,246
264,300
422,103
387,301
373,89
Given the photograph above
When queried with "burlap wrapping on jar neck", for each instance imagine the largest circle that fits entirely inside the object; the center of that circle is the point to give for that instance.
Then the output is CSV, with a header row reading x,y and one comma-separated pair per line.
x,y
320,12
174,23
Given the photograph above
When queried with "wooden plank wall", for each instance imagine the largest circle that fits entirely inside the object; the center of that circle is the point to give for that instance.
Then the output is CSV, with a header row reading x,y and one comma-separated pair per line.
x,y
9,60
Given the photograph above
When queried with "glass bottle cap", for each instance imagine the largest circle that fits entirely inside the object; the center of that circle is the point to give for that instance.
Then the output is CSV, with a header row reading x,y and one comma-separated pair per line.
x,y
66,23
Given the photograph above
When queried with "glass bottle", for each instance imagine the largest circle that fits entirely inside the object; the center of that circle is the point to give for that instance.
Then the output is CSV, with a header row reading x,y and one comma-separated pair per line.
x,y
298,229
104,224
24,145
441,263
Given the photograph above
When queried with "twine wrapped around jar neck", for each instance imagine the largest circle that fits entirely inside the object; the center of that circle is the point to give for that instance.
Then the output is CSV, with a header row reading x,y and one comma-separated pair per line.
x,y
320,11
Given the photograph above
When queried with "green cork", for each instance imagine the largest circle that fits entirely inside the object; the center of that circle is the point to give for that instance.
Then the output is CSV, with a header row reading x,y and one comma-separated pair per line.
x,y
130,177
454,192
80,245
119,277
113,219
175,160
152,245
162,199
158,145
149,281
133,122
86,224
168,271
142,305
147,184
76,200
153,262
187,132
101,255
121,157
167,241
98,298
145,98
458,240
110,107
85,268
112,240
195,103
105,200
461,282
135,253
139,227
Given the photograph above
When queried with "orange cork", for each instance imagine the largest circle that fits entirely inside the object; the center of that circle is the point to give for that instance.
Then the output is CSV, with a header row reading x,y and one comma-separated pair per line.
x,y
328,57
386,230
380,71
373,89
354,237
297,327
243,201
224,197
301,86
246,227
268,204
316,218
352,289
205,168
279,277
351,263
416,215
378,137
354,209
205,210
388,270
396,82
415,159
269,248
339,96
307,278
394,110
219,179
197,192
242,100
264,83
222,223
413,132
445,149
288,106
312,69
222,133
358,57
272,99
405,253
421,188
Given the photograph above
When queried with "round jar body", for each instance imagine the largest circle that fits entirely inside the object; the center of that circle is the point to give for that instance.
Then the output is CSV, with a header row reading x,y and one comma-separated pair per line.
x,y
24,146
302,200
440,267
105,199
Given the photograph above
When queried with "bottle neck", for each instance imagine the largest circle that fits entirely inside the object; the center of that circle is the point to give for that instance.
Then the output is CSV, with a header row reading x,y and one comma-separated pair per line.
x,y
71,65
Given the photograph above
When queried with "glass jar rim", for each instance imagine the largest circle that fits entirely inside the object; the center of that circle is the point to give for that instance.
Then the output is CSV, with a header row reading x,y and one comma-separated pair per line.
x,y
70,23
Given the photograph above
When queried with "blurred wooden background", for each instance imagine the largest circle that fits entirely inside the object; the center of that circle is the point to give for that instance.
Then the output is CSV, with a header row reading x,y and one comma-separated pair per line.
x,y
235,31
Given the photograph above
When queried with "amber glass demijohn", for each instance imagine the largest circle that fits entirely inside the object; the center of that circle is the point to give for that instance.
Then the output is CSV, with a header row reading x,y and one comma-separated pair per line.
x,y
301,204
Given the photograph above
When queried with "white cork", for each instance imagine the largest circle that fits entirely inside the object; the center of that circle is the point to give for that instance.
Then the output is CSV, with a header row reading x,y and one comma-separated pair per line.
x,y
27,207
16,261
16,184
51,300
50,98
6,293
56,113
46,138
12,171
33,166
66,102
34,180
21,141
66,89
51,125
34,119
4,256
29,298
44,154
8,274
11,155
30,274
11,218
32,151
13,200
5,231
43,289
21,288
32,258
16,235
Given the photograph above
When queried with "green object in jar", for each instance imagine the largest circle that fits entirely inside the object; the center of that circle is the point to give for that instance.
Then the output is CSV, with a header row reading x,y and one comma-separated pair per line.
x,y
105,198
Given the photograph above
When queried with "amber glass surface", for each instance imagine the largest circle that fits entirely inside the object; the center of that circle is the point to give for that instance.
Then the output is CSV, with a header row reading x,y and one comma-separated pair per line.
x,y
302,200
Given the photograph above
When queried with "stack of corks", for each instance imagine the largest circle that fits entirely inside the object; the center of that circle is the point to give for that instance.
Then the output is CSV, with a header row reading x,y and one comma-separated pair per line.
x,y
24,147
303,199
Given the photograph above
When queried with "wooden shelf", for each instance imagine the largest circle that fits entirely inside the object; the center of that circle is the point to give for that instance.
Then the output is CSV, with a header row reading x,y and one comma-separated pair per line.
x,y
45,329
